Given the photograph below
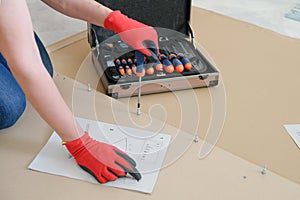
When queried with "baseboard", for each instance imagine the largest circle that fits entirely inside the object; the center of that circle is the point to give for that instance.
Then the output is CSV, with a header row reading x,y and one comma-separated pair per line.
x,y
65,42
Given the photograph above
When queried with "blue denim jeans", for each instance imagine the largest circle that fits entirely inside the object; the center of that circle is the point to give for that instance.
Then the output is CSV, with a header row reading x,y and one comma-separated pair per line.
x,y
12,98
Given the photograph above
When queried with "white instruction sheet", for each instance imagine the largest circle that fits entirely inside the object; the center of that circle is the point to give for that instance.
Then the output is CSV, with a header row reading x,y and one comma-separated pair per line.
x,y
148,149
294,132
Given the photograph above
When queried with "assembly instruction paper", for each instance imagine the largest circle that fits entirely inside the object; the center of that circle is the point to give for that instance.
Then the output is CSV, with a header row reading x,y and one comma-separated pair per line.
x,y
148,149
294,132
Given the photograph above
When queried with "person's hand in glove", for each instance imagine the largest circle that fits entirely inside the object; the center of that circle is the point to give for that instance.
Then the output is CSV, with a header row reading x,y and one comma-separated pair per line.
x,y
137,35
105,162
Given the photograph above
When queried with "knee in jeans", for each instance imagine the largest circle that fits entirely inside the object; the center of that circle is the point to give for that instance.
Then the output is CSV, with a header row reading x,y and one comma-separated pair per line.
x,y
11,111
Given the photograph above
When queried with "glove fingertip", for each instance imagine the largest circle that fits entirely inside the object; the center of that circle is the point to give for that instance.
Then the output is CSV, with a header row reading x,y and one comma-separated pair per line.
x,y
145,51
133,172
125,157
136,175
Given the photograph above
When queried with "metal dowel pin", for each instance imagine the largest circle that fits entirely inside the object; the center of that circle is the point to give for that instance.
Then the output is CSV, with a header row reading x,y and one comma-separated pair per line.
x,y
264,170
89,87
196,139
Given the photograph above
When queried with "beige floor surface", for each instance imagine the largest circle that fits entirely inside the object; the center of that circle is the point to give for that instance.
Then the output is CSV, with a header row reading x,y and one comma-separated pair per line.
x,y
234,46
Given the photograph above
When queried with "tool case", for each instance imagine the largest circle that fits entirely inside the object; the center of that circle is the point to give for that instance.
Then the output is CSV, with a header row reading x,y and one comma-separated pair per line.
x,y
171,21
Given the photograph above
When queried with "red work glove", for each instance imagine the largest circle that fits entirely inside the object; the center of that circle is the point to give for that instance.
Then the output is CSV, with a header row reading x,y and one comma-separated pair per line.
x,y
132,32
103,161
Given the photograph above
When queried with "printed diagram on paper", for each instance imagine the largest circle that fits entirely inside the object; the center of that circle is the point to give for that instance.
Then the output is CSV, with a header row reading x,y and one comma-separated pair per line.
x,y
148,149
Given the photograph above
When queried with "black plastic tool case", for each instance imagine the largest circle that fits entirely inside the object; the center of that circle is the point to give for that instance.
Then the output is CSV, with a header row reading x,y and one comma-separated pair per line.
x,y
171,20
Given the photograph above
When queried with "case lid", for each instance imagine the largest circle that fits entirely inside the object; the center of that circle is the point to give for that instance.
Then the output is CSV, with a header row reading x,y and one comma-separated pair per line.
x,y
170,14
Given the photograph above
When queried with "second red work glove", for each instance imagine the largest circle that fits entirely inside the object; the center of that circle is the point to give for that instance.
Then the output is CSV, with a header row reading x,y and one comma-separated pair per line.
x,y
103,161
132,32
